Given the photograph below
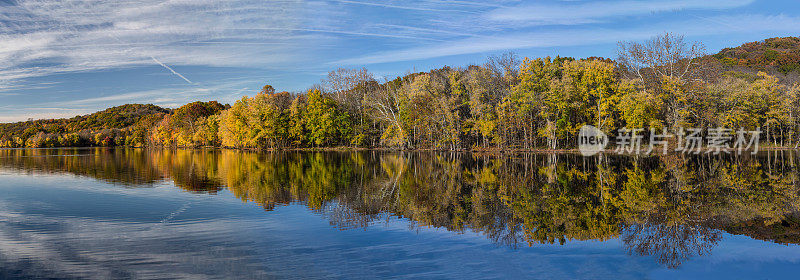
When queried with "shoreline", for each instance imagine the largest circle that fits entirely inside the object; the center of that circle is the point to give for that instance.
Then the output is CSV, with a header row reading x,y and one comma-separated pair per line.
x,y
367,149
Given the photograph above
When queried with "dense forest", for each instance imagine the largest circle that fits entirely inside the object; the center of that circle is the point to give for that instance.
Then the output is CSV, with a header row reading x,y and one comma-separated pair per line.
x,y
506,103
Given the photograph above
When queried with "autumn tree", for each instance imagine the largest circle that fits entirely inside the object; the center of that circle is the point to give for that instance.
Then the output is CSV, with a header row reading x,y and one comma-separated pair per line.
x,y
669,68
325,124
348,88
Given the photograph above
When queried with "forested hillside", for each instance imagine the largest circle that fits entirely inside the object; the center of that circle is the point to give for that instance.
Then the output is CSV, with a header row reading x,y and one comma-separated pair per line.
x,y
122,125
781,55
505,103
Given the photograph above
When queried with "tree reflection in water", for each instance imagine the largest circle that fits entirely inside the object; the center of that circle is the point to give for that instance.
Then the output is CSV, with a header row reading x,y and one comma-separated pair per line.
x,y
670,244
671,208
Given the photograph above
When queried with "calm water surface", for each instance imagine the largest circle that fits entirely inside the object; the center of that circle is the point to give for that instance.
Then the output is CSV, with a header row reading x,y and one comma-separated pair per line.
x,y
132,213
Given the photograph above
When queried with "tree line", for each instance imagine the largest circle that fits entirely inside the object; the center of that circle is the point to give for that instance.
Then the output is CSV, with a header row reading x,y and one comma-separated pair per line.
x,y
505,103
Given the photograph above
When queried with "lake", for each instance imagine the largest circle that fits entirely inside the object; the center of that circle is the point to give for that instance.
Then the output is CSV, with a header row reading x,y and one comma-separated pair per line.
x,y
144,214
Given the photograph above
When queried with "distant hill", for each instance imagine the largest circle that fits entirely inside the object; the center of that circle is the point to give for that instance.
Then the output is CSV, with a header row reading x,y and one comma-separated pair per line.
x,y
115,117
781,55
127,117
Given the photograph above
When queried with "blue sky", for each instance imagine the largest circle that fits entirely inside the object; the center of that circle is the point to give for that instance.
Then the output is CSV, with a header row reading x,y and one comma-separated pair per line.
x,y
66,58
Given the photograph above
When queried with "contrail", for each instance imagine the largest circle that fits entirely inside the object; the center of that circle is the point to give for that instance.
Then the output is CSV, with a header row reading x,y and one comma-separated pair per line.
x,y
405,7
717,21
130,49
170,69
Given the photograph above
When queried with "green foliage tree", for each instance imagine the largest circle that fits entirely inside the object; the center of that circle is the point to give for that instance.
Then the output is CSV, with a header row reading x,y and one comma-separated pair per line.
x,y
325,124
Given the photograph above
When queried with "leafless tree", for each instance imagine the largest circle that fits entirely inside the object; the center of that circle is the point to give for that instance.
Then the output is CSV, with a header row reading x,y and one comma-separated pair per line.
x,y
665,55
385,101
505,66
347,86
671,69
670,245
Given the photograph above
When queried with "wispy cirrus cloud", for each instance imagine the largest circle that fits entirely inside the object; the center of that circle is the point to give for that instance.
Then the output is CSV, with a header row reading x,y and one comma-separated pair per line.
x,y
45,37
406,6
699,26
521,26
42,38
591,12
